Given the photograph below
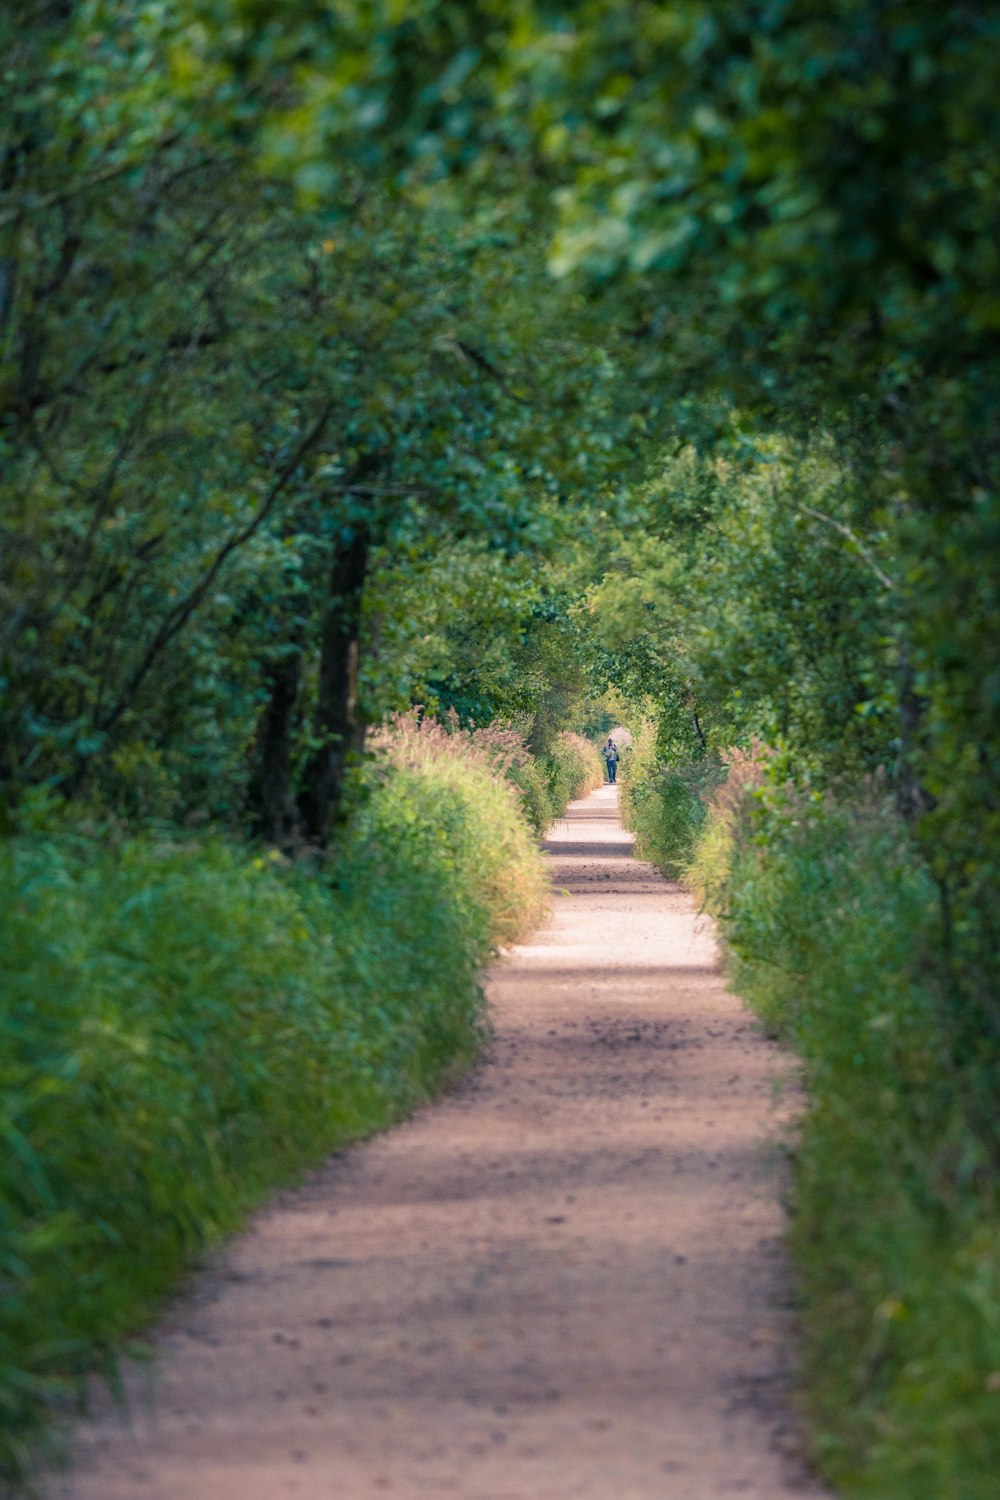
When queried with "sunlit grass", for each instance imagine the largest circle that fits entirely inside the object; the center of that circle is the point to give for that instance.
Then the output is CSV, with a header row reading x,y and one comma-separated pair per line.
x,y
664,805
187,1024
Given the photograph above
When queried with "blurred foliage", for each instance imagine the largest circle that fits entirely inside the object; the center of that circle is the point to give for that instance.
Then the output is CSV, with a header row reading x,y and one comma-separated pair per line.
x,y
663,802
754,601
793,209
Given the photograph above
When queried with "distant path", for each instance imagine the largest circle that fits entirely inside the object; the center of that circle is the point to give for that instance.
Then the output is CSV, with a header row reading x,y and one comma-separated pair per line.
x,y
563,1282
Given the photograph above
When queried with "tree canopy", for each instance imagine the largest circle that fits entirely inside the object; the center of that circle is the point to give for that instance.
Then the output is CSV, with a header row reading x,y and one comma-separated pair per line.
x,y
525,364
228,410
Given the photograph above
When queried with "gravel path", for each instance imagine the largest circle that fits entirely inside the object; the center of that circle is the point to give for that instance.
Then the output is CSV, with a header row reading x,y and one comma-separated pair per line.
x,y
563,1282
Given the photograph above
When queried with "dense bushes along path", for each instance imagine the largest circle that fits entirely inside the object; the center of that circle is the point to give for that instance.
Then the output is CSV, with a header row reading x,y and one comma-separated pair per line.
x,y
565,1280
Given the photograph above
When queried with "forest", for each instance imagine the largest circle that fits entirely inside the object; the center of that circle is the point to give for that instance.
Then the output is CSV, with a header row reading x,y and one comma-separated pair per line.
x,y
394,397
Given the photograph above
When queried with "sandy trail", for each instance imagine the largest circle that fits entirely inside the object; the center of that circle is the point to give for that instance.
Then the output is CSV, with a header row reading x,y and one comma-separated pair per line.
x,y
563,1282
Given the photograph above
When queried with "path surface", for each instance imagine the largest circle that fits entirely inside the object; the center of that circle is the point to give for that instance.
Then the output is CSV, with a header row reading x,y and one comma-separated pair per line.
x,y
563,1282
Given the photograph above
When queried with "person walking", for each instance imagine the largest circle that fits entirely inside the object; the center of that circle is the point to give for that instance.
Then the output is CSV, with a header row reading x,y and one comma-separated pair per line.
x,y
610,753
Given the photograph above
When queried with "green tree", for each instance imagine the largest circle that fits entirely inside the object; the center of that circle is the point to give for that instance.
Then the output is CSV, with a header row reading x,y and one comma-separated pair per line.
x,y
224,409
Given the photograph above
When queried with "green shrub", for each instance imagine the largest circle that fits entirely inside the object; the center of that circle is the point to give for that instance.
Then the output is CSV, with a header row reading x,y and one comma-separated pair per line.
x,y
545,783
663,803
185,1026
833,927
572,768
535,789
448,798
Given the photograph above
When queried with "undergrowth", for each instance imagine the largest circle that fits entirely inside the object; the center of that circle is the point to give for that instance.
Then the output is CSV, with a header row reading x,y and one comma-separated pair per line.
x,y
187,1025
834,935
569,768
664,803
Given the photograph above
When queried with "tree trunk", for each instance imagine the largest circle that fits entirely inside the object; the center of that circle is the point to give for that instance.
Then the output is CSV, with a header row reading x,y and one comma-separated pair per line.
x,y
276,810
338,729
912,799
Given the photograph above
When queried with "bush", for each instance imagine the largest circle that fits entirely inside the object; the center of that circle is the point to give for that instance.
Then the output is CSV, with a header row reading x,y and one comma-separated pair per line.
x,y
572,768
663,803
535,790
453,789
186,1026
833,927
545,783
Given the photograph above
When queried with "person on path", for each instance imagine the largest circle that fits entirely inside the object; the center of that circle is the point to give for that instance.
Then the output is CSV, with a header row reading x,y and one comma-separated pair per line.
x,y
610,753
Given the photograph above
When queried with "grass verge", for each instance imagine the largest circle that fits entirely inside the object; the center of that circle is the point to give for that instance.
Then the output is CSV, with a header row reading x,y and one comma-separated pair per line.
x,y
185,1026
833,930
570,768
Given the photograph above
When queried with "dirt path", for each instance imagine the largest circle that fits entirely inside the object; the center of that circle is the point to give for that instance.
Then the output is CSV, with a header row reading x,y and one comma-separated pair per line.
x,y
564,1282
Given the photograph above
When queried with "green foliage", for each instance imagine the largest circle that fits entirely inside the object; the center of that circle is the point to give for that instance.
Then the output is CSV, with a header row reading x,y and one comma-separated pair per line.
x,y
755,602
784,614
530,778
533,665
478,825
185,1026
212,390
663,803
833,924
569,769
543,785
295,431
573,767
793,209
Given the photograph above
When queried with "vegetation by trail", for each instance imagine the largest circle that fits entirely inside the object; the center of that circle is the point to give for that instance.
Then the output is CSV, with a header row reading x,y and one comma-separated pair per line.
x,y
545,370
187,1024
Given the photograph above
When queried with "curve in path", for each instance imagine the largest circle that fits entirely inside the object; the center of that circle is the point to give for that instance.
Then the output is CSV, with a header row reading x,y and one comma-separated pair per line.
x,y
563,1282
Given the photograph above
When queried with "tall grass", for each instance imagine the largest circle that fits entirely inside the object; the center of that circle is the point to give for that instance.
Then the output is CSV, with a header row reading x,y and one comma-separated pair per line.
x,y
833,931
664,803
477,808
571,768
545,783
834,928
186,1025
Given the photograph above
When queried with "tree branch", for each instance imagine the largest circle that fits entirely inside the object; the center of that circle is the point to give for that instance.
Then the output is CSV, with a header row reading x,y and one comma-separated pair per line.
x,y
856,541
178,617
82,185
475,356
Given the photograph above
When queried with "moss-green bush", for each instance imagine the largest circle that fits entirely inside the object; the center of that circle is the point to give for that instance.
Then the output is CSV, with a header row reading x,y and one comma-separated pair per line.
x,y
572,768
186,1025
447,802
535,791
